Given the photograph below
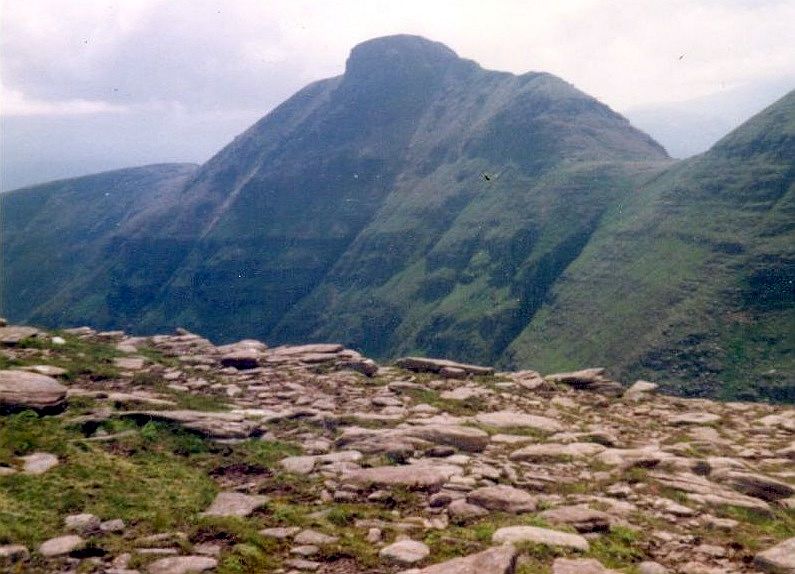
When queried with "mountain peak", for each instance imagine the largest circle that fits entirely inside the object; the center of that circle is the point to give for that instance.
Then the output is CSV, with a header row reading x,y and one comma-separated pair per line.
x,y
398,52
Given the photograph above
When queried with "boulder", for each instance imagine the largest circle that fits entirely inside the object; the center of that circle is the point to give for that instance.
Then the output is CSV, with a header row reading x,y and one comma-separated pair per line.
x,y
21,390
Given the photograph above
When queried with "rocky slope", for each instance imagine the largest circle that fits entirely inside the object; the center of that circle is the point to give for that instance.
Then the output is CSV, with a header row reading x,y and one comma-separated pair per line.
x,y
167,454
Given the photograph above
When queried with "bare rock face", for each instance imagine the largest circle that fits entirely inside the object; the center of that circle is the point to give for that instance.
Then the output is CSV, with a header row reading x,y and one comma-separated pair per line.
x,y
512,419
20,390
461,437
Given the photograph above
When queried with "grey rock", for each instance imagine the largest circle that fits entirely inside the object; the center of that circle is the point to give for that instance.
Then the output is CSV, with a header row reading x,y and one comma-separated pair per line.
x,y
235,504
425,365
581,518
518,534
417,477
579,566
780,559
182,565
405,552
38,462
465,438
503,498
61,545
20,390
11,553
315,538
10,336
508,419
497,560
84,524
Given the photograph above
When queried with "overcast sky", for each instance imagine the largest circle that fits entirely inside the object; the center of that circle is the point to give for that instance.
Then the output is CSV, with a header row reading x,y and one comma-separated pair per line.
x,y
90,85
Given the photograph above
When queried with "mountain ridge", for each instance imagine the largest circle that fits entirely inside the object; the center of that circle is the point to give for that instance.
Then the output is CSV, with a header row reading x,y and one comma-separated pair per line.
x,y
427,206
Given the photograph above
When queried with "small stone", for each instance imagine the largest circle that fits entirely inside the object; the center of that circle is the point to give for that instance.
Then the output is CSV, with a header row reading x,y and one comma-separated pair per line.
x,y
461,510
405,552
58,340
61,545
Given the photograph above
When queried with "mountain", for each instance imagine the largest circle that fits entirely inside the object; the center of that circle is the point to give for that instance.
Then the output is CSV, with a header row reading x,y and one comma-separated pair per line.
x,y
57,237
419,204
692,279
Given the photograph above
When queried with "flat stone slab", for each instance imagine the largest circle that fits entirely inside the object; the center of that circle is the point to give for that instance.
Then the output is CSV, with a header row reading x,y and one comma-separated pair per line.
x,y
497,560
518,534
235,504
556,451
405,552
697,418
503,498
20,390
315,538
306,464
579,566
219,425
38,462
12,335
581,518
61,545
419,477
426,365
182,565
465,438
780,559
512,419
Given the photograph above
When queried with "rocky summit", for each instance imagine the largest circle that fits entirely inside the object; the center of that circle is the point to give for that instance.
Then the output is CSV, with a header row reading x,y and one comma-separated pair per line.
x,y
168,454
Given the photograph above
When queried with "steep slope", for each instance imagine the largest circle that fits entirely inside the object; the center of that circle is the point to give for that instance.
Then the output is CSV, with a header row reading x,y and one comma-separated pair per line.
x,y
57,237
365,194
692,280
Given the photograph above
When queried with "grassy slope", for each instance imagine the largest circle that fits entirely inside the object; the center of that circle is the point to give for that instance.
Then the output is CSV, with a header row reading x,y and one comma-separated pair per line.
x,y
57,236
691,280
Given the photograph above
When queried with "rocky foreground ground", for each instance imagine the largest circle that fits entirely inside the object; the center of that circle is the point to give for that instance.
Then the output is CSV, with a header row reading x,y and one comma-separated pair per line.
x,y
170,455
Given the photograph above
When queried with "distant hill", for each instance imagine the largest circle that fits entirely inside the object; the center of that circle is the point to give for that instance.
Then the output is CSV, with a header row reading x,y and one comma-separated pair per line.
x,y
421,204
